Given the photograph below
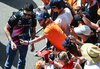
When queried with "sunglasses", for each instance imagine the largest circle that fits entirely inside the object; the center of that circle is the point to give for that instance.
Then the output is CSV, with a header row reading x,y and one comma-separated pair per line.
x,y
27,14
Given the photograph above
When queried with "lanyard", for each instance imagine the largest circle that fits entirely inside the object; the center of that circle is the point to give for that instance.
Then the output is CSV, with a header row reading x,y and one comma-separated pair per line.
x,y
61,11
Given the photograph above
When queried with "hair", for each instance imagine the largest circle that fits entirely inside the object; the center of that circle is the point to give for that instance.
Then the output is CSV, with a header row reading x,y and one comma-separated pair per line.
x,y
28,7
73,49
46,22
59,6
63,56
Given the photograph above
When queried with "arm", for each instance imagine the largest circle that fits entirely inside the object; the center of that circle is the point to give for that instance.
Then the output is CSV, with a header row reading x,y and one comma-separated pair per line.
x,y
76,41
73,32
36,39
25,42
6,29
79,42
70,7
89,23
56,63
54,52
79,3
33,33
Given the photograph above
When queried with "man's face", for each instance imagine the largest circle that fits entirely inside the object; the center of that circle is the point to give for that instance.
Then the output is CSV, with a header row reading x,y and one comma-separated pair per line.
x,y
27,14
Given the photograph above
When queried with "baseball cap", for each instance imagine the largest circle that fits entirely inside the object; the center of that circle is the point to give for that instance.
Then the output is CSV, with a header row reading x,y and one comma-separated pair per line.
x,y
67,41
53,3
42,14
84,30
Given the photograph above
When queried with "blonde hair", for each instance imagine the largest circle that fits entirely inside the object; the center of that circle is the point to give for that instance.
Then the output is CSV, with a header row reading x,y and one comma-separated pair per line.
x,y
63,56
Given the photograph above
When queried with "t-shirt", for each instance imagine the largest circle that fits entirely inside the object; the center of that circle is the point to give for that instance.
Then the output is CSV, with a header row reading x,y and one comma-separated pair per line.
x,y
69,65
89,65
20,25
64,20
55,35
91,10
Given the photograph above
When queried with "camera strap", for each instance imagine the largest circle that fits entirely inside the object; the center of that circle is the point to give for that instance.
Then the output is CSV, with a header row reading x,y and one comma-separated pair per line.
x,y
61,11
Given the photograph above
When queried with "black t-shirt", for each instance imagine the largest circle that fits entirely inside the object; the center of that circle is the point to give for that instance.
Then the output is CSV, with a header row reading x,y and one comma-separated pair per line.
x,y
92,11
19,25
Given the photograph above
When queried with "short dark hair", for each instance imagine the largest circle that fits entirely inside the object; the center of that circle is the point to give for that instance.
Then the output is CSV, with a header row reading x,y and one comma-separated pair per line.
x,y
59,6
28,7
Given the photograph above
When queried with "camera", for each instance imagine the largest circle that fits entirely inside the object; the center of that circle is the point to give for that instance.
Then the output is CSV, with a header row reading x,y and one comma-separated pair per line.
x,y
46,58
69,55
21,36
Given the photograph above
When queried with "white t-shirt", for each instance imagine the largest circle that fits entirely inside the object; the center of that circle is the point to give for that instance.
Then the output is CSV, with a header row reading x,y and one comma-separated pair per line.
x,y
50,66
64,20
89,65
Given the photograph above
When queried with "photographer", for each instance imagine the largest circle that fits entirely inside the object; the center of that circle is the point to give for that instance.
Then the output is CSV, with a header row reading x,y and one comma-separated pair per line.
x,y
18,28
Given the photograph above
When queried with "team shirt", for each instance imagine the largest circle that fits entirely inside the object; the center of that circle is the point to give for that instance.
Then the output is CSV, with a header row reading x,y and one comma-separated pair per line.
x,y
19,25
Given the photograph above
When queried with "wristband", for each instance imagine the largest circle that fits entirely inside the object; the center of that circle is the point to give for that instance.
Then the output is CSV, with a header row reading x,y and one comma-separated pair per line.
x,y
10,40
30,42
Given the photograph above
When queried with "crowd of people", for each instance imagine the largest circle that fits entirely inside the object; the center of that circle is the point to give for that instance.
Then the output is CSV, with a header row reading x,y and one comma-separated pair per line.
x,y
71,28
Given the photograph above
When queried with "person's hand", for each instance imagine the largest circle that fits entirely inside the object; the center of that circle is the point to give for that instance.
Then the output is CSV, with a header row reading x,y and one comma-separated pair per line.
x,y
23,42
67,4
72,38
98,29
32,48
77,8
50,61
72,30
77,66
13,46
